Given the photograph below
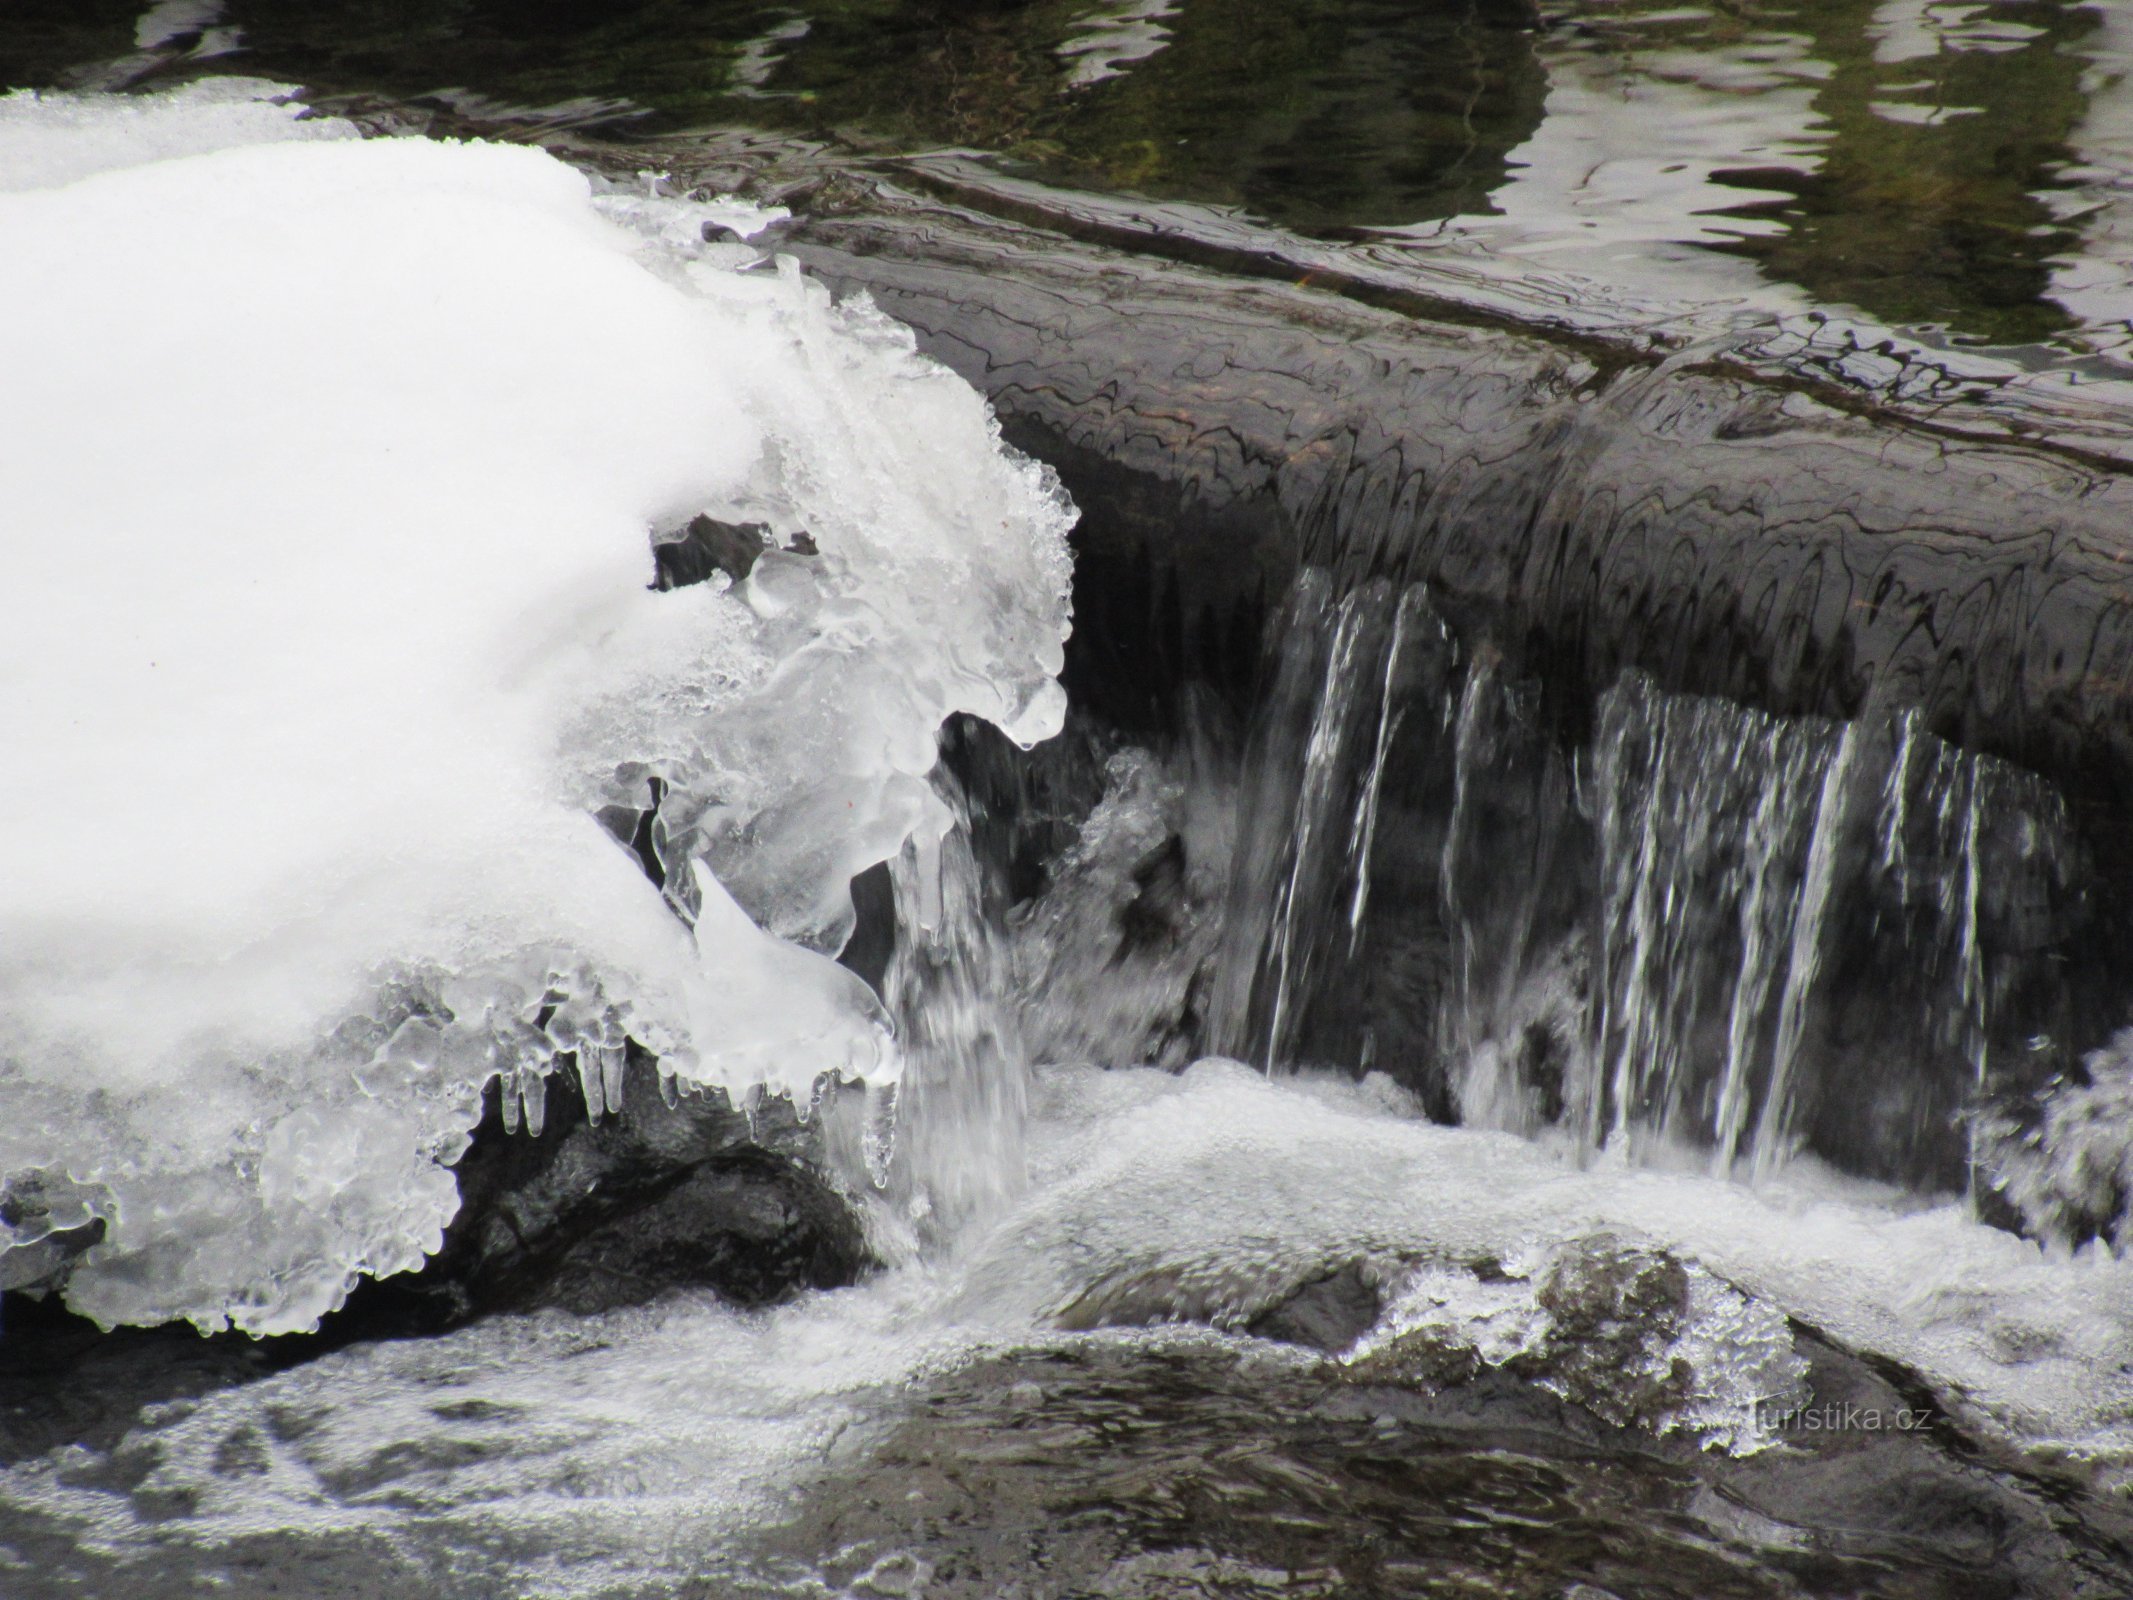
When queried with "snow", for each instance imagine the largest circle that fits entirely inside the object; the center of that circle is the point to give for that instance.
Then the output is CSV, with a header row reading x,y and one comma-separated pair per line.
x,y
331,468
47,140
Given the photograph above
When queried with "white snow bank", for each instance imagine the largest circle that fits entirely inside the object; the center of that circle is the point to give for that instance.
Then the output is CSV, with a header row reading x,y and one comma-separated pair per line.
x,y
329,470
51,139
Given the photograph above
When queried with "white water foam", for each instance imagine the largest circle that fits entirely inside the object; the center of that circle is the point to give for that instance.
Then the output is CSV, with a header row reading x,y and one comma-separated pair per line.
x,y
644,1445
331,468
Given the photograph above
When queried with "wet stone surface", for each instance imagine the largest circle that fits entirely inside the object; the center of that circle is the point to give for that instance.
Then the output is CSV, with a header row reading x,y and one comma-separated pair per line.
x,y
1125,1469
583,1217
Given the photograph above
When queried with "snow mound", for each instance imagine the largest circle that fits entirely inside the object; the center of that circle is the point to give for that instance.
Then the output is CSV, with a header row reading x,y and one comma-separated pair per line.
x,y
48,140
332,471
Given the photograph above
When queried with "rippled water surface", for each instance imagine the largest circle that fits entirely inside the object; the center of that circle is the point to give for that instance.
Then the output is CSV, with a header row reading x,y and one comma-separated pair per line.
x,y
1957,168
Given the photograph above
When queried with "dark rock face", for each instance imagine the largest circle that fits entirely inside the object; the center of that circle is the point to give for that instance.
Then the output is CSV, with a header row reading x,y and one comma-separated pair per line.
x,y
1329,1314
746,1223
588,1215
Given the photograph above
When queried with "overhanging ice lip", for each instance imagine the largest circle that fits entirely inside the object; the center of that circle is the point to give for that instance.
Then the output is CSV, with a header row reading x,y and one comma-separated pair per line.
x,y
329,522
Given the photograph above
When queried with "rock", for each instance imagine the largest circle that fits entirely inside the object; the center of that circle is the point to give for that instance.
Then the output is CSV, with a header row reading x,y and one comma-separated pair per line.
x,y
1613,1308
589,1215
1750,520
1329,1314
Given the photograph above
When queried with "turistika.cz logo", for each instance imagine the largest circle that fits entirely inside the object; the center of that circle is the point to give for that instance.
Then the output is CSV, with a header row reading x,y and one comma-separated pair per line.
x,y
1845,1417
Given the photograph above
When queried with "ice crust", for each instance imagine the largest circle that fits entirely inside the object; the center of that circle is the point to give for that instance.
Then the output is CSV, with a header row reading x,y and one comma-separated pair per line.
x,y
331,469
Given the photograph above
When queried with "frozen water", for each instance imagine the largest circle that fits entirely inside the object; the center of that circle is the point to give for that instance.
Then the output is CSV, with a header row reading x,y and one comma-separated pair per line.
x,y
586,1455
331,469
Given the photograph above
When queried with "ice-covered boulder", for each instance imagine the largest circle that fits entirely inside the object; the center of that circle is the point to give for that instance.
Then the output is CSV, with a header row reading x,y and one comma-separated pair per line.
x,y
332,471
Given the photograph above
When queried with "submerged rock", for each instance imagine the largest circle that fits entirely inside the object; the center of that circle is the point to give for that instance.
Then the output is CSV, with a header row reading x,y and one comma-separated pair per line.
x,y
1199,1467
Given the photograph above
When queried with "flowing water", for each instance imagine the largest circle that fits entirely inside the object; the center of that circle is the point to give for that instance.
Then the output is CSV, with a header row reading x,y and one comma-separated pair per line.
x,y
1956,171
1424,1127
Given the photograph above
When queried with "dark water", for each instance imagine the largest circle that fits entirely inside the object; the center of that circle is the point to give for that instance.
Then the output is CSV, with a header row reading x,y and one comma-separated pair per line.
x,y
1138,1468
1964,171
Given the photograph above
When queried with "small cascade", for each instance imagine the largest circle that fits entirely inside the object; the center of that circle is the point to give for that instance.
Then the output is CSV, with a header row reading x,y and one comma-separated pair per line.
x,y
943,1145
1311,803
1705,820
1797,948
1668,928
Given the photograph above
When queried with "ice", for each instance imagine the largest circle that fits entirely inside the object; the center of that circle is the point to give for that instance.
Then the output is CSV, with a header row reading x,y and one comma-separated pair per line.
x,y
331,468
1627,1331
603,1454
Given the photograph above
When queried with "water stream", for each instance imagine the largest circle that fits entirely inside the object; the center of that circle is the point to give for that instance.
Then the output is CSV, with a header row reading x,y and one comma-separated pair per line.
x,y
1423,1123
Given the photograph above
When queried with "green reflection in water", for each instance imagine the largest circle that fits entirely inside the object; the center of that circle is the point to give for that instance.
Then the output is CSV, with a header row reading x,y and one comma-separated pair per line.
x,y
1908,186
1924,210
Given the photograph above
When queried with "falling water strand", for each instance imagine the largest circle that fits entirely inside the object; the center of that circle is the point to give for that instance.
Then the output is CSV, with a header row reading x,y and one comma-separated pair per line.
x,y
1769,913
1704,811
1970,967
1329,726
1640,881
1413,609
1267,794
1804,961
946,1145
1896,806
1473,696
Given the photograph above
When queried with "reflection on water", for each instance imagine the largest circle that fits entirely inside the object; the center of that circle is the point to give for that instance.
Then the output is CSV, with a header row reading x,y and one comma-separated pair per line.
x,y
1906,158
1111,38
1662,136
2092,194
1960,169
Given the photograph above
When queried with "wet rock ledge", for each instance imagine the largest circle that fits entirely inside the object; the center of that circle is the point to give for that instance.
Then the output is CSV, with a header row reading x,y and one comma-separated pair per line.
x,y
1797,527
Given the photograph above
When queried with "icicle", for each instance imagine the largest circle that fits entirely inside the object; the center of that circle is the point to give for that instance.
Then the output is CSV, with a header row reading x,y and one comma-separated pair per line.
x,y
877,1136
533,1092
926,881
589,1080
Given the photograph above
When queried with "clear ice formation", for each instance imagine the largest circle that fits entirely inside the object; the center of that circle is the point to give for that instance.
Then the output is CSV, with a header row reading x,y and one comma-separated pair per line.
x,y
331,470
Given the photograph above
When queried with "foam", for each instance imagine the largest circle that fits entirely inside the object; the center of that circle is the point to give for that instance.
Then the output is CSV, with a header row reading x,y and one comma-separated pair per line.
x,y
614,1451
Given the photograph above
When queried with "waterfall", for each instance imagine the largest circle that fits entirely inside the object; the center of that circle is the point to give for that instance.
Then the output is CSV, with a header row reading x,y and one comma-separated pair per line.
x,y
942,1146
1666,927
